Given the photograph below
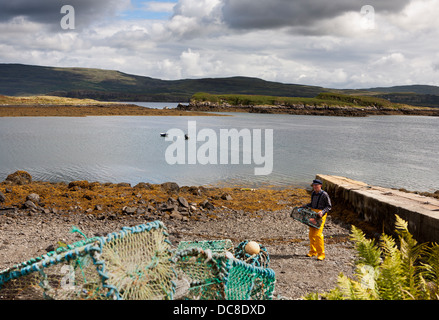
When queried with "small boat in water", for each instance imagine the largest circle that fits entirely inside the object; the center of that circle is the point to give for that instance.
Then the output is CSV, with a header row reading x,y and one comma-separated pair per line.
x,y
164,134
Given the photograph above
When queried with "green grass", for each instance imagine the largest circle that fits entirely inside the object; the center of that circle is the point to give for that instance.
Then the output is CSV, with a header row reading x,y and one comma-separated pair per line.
x,y
99,75
363,101
322,99
241,99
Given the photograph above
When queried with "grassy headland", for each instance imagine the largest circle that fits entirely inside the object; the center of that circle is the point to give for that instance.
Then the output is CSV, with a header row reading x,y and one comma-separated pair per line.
x,y
50,106
47,100
323,104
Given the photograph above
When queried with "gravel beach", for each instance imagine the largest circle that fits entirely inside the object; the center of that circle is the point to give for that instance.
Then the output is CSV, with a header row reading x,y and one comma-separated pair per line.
x,y
28,231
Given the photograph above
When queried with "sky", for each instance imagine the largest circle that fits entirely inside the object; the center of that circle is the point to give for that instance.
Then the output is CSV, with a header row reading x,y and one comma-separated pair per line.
x,y
335,44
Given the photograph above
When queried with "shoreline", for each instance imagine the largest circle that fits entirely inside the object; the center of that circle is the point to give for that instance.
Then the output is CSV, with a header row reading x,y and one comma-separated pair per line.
x,y
62,194
300,109
101,198
198,109
36,216
77,110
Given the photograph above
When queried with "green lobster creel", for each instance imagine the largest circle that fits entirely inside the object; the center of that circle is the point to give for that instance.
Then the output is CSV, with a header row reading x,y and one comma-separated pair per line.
x,y
133,263
306,216
203,274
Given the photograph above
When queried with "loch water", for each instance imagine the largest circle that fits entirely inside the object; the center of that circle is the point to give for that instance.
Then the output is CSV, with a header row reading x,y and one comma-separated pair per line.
x,y
389,151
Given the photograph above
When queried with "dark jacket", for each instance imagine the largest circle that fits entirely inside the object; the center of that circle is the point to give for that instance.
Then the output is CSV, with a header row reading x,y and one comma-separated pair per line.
x,y
320,201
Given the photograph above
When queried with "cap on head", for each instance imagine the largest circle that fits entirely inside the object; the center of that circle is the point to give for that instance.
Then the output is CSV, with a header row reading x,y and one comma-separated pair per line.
x,y
317,181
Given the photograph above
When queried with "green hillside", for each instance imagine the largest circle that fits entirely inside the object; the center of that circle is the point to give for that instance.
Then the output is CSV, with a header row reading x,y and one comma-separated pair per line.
x,y
111,85
419,89
23,80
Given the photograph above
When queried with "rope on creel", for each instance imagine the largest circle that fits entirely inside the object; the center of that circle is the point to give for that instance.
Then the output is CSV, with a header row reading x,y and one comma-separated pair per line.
x,y
262,259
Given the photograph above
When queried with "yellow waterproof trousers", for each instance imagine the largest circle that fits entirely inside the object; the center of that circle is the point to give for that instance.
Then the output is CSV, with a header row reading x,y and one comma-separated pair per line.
x,y
316,244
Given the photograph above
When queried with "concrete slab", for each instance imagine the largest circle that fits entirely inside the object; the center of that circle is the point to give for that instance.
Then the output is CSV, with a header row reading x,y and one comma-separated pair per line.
x,y
379,205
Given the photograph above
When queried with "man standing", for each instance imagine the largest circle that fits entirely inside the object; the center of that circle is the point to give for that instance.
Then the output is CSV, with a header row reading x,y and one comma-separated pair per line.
x,y
321,203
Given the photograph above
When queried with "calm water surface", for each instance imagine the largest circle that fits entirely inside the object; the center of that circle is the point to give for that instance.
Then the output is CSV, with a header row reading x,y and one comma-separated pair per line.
x,y
390,151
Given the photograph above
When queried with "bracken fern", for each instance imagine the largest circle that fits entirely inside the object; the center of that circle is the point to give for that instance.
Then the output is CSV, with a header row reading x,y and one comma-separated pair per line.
x,y
392,269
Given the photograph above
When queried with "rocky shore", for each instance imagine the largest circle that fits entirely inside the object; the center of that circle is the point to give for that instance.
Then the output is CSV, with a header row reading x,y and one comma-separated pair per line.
x,y
53,106
36,216
113,109
305,109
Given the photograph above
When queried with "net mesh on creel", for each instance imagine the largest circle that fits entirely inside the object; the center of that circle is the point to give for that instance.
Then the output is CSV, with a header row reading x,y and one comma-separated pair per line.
x,y
139,263
27,280
212,245
307,216
133,263
206,275
261,259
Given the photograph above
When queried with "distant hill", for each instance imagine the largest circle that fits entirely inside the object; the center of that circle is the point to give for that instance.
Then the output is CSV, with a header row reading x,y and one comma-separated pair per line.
x,y
111,85
419,89
417,95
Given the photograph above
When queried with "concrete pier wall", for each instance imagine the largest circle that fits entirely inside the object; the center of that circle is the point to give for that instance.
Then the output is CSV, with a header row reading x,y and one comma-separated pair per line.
x,y
379,206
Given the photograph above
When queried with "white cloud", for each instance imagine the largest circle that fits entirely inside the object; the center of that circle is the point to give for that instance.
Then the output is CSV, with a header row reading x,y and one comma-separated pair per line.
x,y
418,16
181,26
395,58
202,9
195,18
191,63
